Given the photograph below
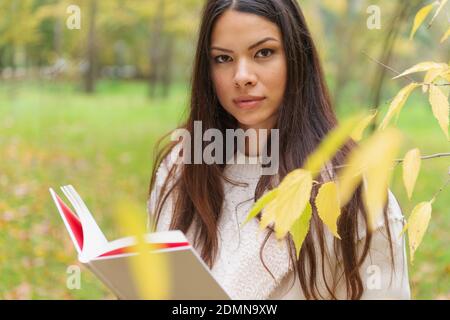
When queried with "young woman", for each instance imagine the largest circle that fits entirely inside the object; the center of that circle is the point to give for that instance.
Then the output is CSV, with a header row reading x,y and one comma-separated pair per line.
x,y
262,51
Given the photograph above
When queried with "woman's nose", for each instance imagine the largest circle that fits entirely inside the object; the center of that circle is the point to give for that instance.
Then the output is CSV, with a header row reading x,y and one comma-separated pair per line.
x,y
244,75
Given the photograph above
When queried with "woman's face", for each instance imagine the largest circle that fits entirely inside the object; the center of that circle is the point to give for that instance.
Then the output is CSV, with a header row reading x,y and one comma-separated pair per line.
x,y
248,59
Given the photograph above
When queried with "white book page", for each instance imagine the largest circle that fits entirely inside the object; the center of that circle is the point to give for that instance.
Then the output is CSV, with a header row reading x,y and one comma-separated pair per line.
x,y
166,236
94,239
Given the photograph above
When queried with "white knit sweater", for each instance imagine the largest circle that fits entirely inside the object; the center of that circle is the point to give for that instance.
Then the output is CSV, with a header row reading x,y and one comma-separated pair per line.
x,y
239,268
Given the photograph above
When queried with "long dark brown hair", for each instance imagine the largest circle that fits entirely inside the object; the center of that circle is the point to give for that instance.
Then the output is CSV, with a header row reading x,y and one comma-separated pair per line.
x,y
307,116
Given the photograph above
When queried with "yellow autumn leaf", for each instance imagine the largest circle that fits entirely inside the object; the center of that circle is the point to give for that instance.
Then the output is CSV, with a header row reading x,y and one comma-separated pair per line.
x,y
432,75
445,36
328,206
269,214
440,107
411,168
374,154
331,144
417,225
423,66
397,104
420,17
150,271
260,204
446,76
293,194
378,174
300,228
359,130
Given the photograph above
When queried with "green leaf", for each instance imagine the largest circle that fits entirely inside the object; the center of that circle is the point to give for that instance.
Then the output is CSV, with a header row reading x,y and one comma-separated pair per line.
x,y
260,204
420,18
300,228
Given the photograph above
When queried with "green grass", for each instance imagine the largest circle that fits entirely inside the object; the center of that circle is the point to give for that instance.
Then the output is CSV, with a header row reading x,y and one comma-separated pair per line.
x,y
51,135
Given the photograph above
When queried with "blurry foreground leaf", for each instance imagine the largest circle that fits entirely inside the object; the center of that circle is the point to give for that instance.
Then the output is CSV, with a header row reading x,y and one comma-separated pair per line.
x,y
150,271
445,36
331,144
373,159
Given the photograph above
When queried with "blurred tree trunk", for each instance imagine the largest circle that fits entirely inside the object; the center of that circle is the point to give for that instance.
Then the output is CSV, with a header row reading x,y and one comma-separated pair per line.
x,y
91,56
57,36
166,78
155,48
401,14
2,57
347,31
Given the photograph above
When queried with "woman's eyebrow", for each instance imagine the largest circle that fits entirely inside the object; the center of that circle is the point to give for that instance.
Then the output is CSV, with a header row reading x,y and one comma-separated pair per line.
x,y
249,48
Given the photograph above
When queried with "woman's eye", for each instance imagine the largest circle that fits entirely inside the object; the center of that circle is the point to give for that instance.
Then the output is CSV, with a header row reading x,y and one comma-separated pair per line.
x,y
266,52
221,58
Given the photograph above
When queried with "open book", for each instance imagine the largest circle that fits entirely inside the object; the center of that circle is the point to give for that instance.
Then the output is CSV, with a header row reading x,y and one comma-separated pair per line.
x,y
110,260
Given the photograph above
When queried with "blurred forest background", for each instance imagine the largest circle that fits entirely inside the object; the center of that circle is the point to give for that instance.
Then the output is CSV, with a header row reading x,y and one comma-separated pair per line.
x,y
86,106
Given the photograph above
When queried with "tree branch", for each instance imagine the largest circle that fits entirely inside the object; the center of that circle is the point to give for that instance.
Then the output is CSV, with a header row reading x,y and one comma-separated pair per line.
x,y
386,66
431,156
407,76
441,188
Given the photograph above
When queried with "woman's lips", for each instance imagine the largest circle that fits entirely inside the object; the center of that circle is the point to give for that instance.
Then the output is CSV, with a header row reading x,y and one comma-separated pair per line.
x,y
249,104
